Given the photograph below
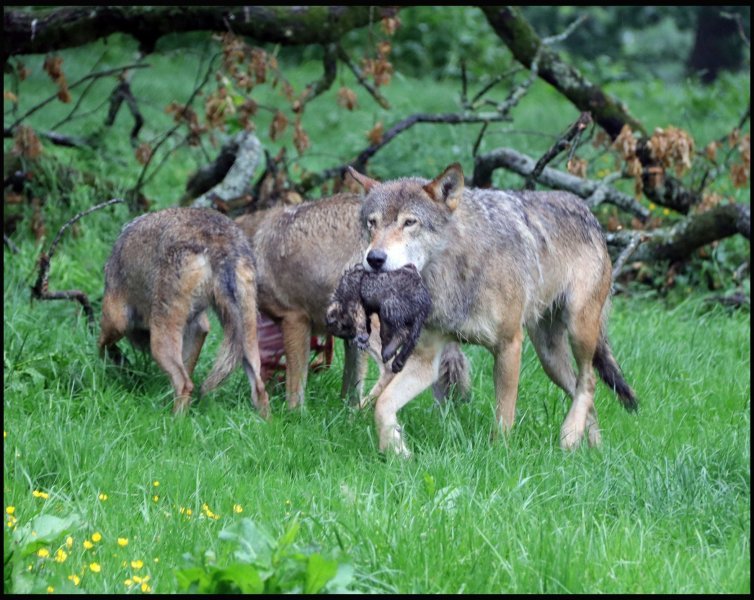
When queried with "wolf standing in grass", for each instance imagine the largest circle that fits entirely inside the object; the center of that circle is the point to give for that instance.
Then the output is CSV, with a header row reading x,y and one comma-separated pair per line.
x,y
166,269
496,262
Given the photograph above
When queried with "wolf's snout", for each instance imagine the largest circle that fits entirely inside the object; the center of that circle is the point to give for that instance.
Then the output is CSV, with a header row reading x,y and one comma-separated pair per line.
x,y
376,258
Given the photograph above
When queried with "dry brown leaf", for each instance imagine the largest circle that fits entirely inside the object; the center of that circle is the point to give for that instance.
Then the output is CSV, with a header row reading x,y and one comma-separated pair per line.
x,y
26,143
300,139
347,98
278,125
143,153
375,134
577,166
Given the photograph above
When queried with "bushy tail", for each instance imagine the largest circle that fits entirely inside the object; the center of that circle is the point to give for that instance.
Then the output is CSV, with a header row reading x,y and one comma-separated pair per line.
x,y
454,379
229,299
611,374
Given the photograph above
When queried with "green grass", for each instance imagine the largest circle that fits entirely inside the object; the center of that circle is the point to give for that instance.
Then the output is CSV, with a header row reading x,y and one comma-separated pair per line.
x,y
662,507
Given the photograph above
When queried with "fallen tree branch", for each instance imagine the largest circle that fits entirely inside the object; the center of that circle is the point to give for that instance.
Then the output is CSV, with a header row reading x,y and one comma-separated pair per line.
x,y
608,112
637,239
694,231
26,32
563,143
59,139
512,160
40,290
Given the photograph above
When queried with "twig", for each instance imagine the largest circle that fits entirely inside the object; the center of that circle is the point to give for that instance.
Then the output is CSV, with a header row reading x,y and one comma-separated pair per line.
x,y
561,144
464,84
554,39
478,141
379,98
83,94
40,290
123,92
133,193
637,239
497,79
329,71
10,244
104,73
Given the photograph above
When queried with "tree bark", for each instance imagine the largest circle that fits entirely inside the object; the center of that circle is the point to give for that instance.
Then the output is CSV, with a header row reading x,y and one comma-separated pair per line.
x,y
40,31
695,231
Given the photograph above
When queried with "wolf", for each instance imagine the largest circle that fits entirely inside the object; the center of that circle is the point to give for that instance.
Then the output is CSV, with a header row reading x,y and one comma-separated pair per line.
x,y
165,270
399,297
495,263
301,252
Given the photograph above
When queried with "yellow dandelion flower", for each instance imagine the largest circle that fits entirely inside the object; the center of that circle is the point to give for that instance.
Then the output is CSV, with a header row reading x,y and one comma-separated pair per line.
x,y
102,497
75,578
122,542
38,494
652,206
128,582
137,579
10,509
666,211
156,483
43,553
237,508
69,542
137,564
96,537
155,498
60,555
5,434
145,588
88,545
50,589
95,568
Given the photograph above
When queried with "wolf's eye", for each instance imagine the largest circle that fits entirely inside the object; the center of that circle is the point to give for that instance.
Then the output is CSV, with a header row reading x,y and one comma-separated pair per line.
x,y
371,223
410,222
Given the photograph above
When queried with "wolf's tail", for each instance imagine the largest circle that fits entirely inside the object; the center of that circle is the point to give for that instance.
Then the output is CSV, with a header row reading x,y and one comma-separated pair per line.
x,y
454,379
611,374
230,301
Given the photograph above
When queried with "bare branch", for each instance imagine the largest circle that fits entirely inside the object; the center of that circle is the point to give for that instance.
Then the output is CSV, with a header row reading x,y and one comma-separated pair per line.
x,y
637,239
123,92
56,138
379,98
83,94
512,160
96,75
324,83
564,142
40,290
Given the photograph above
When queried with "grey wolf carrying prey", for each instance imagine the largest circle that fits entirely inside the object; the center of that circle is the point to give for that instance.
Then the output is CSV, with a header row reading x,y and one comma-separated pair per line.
x,y
301,253
165,270
497,262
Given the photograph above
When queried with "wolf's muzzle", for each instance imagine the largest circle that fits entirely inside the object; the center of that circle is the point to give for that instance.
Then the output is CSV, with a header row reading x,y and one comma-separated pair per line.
x,y
376,258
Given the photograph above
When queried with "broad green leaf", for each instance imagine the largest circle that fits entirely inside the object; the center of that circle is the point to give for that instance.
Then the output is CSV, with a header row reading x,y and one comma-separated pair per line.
x,y
245,577
319,570
255,542
42,530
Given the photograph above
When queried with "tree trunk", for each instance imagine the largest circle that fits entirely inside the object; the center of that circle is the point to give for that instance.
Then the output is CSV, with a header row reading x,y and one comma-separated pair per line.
x,y
717,44
40,31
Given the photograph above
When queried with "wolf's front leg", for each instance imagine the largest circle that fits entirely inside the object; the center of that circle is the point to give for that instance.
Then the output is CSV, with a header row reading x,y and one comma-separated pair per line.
x,y
420,372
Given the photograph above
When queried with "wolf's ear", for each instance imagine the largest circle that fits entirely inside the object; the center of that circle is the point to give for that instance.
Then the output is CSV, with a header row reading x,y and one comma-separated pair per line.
x,y
447,187
366,182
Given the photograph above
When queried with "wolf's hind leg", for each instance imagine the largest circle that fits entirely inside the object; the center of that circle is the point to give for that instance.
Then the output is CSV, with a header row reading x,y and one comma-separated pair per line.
x,y
193,339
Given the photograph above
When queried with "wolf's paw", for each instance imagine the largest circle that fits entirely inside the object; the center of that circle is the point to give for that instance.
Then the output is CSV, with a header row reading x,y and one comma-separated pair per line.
x,y
594,437
362,341
397,365
570,438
